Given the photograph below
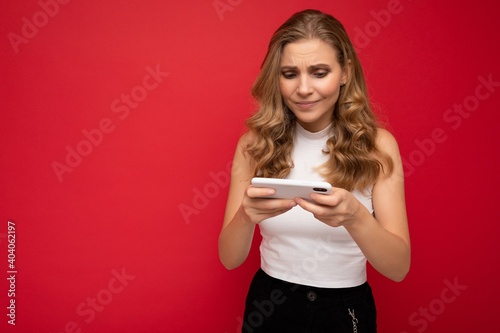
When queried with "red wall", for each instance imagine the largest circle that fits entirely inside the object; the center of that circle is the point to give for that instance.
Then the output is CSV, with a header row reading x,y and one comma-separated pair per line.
x,y
118,123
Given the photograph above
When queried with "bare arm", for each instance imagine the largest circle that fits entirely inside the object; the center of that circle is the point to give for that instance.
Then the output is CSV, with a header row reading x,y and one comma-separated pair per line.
x,y
383,239
244,210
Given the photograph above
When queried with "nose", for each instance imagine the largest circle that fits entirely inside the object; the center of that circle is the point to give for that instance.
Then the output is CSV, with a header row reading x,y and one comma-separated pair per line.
x,y
304,87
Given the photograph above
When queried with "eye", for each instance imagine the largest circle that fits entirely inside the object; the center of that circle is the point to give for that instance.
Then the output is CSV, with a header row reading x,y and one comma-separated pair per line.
x,y
289,75
320,74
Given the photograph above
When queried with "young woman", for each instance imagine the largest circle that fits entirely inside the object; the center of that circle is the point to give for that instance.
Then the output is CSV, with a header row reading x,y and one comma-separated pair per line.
x,y
314,122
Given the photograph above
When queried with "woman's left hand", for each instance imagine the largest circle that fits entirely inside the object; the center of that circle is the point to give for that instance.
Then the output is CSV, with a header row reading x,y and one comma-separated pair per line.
x,y
340,208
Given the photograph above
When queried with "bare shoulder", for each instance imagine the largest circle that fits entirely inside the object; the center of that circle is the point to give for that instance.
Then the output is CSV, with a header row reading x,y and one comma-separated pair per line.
x,y
247,139
242,163
386,142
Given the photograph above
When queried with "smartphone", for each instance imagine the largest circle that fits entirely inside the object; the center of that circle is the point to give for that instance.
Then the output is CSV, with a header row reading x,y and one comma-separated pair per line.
x,y
289,189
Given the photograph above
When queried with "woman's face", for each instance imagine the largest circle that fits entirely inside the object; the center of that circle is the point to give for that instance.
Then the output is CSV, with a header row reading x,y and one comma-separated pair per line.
x,y
310,82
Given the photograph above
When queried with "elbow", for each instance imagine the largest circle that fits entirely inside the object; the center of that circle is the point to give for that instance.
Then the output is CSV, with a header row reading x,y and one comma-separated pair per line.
x,y
229,260
229,267
400,275
398,278
228,264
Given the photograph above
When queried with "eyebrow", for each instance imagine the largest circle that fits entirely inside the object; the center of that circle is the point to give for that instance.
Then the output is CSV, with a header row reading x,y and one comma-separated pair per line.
x,y
312,67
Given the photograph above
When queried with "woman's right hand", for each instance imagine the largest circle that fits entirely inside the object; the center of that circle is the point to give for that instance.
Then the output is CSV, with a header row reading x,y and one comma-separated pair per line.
x,y
255,207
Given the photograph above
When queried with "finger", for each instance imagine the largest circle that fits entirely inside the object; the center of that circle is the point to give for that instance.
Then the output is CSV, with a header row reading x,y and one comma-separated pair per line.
x,y
333,199
306,204
267,208
274,204
276,212
260,192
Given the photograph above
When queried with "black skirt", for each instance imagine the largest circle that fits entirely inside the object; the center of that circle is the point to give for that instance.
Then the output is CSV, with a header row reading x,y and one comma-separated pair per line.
x,y
276,306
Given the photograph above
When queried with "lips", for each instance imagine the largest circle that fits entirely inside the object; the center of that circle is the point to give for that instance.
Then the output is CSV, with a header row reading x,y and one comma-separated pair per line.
x,y
306,104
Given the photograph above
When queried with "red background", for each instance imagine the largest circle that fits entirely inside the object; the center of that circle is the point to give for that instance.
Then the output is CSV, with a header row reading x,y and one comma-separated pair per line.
x,y
148,199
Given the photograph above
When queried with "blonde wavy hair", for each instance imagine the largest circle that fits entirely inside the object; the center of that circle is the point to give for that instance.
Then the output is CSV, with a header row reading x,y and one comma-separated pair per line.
x,y
354,160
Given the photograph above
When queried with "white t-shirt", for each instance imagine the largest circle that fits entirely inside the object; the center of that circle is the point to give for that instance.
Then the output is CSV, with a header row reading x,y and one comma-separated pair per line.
x,y
298,248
